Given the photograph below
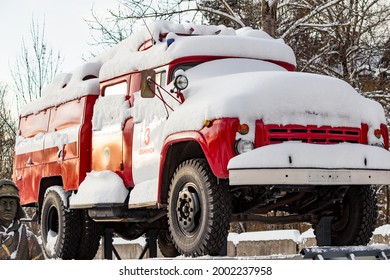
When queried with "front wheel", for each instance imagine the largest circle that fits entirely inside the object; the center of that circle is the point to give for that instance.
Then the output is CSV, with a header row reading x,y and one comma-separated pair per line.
x,y
199,210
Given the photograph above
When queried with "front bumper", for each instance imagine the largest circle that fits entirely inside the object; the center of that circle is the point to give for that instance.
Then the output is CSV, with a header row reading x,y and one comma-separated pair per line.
x,y
311,164
297,176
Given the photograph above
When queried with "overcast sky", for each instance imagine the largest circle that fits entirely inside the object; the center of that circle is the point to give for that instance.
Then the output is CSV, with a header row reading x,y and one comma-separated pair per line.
x,y
66,29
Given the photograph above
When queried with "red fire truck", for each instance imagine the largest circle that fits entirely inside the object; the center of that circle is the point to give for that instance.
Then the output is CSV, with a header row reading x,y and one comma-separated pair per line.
x,y
184,128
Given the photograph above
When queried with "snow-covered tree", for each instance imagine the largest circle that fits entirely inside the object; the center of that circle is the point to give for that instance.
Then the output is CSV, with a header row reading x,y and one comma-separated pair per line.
x,y
340,38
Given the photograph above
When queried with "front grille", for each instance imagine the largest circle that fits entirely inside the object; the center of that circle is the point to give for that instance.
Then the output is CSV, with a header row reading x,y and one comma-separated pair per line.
x,y
273,134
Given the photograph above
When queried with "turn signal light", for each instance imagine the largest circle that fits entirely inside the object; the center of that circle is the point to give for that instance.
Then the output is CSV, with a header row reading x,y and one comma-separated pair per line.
x,y
243,129
378,133
207,123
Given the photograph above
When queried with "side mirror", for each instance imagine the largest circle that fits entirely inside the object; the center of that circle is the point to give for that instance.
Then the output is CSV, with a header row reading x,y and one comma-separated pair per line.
x,y
148,88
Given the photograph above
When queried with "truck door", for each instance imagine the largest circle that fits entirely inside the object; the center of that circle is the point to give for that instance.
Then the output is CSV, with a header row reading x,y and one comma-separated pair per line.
x,y
149,115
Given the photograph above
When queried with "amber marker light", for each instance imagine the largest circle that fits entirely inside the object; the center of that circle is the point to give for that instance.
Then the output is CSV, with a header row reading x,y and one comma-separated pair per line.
x,y
207,123
378,133
243,129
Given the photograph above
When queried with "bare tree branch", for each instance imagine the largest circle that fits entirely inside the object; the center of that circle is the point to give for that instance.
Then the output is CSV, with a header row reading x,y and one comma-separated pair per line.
x,y
35,67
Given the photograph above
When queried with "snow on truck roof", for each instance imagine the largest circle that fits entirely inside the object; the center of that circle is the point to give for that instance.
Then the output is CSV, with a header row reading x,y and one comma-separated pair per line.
x,y
125,57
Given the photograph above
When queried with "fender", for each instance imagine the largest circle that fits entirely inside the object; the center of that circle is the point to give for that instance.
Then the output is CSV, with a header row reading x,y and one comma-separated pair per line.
x,y
217,144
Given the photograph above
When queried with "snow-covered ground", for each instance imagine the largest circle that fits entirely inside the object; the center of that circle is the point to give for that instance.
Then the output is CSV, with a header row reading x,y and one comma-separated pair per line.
x,y
258,239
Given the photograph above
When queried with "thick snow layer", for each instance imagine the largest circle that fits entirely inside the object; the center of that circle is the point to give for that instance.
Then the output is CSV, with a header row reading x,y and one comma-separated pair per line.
x,y
66,87
47,140
303,155
265,235
276,97
161,54
144,192
51,241
120,241
306,235
125,57
109,111
383,230
100,187
270,235
25,145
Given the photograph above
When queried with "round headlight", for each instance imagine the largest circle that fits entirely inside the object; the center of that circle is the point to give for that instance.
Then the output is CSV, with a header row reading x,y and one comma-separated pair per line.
x,y
181,82
242,146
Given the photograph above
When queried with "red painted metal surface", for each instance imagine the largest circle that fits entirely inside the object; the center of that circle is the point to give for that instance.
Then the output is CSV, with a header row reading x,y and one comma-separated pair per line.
x,y
127,173
217,142
273,133
385,135
45,161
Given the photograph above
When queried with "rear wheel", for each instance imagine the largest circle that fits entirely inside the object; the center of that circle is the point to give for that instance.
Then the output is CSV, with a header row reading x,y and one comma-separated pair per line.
x,y
198,210
166,245
59,226
356,222
90,237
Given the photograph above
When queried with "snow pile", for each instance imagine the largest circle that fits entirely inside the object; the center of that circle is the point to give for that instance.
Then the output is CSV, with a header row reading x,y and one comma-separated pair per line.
x,y
120,241
265,235
67,86
100,187
52,238
125,57
144,193
383,230
25,145
304,155
306,235
110,111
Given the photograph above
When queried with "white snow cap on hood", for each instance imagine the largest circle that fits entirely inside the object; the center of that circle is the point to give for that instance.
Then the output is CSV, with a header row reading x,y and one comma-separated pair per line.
x,y
276,97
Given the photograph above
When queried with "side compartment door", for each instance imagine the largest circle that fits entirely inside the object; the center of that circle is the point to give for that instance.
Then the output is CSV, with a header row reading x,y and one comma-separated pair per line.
x,y
29,154
61,153
111,111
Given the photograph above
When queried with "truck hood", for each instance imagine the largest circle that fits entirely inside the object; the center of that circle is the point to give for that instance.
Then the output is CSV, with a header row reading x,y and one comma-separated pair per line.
x,y
276,97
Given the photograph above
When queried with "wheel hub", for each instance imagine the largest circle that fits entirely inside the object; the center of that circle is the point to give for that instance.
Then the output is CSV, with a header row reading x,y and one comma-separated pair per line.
x,y
187,208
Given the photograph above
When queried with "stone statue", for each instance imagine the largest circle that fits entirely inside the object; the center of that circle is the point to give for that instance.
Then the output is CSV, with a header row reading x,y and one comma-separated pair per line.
x,y
16,241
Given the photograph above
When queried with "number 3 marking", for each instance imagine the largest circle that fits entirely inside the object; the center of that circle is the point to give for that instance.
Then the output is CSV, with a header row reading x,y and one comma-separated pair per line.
x,y
147,137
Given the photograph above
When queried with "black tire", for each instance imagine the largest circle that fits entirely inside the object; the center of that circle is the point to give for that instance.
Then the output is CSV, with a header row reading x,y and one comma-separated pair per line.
x,y
61,222
90,237
356,223
199,210
166,245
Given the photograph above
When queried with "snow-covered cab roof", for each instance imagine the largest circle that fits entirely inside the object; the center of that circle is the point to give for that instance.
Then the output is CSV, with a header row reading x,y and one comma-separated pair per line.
x,y
185,40
173,41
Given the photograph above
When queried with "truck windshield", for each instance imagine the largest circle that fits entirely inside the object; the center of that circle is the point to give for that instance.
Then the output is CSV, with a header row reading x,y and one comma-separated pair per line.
x,y
225,66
